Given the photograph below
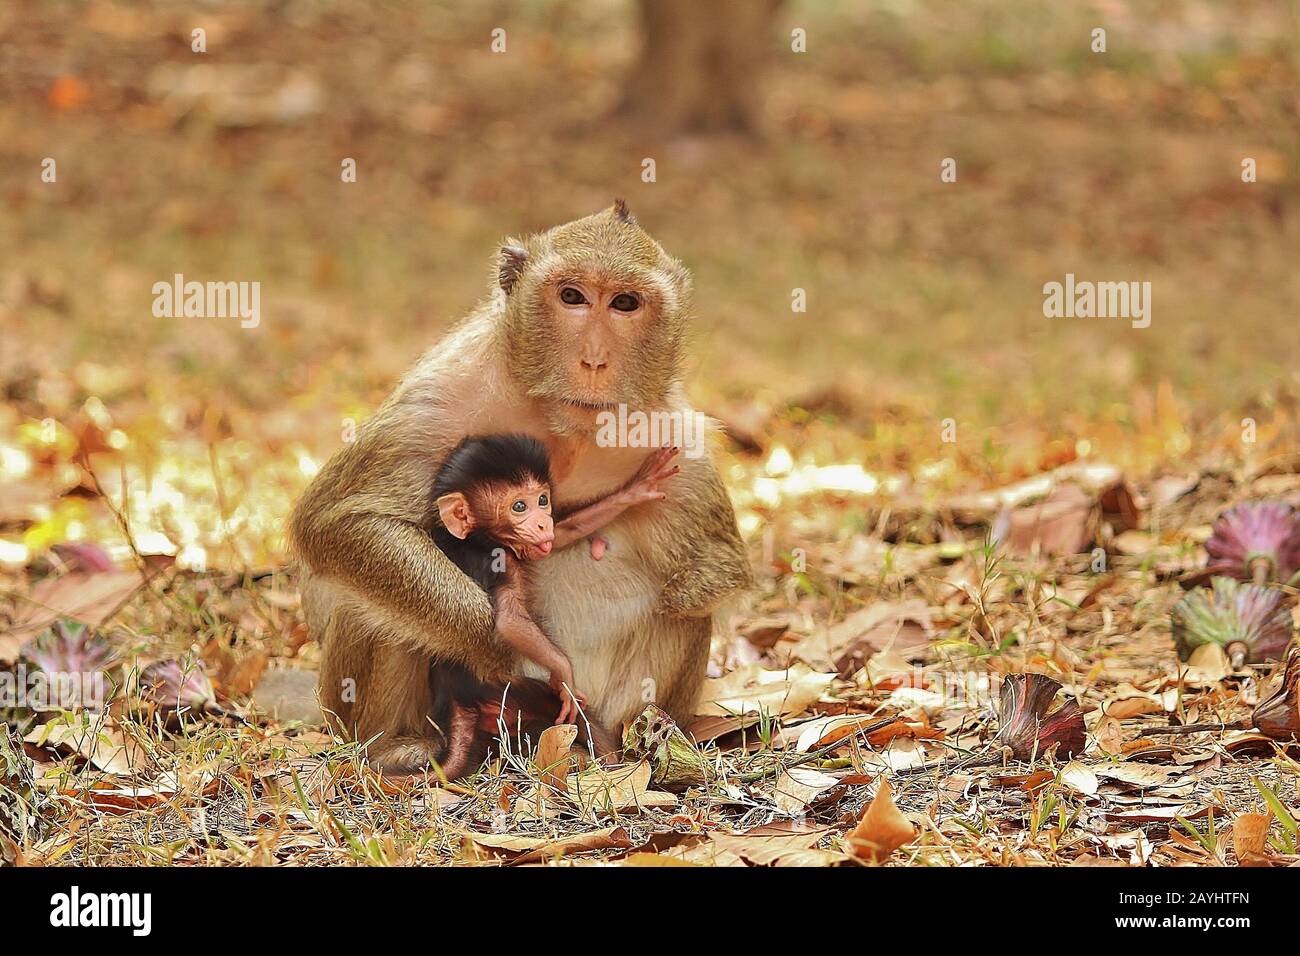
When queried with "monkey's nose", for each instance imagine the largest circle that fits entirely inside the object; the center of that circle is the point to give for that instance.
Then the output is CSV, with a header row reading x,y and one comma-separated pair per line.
x,y
594,362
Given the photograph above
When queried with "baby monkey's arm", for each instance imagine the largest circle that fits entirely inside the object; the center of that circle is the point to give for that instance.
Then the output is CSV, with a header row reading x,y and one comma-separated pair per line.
x,y
520,632
643,487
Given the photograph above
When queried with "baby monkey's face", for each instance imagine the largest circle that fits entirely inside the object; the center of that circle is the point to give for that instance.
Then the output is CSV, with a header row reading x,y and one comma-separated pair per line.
x,y
519,516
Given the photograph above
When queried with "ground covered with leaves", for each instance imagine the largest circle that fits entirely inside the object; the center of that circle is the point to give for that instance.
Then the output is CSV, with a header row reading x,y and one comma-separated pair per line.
x,y
881,660
943,493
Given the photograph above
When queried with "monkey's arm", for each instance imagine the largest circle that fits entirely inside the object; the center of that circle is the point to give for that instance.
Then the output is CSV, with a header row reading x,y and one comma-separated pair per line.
x,y
362,522
520,632
699,548
587,521
643,487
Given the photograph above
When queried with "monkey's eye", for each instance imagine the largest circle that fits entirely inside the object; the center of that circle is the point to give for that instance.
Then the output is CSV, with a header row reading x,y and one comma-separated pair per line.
x,y
543,501
519,507
571,296
625,302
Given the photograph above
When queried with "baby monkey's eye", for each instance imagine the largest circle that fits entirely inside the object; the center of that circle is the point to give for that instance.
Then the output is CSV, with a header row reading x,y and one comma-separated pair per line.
x,y
571,296
519,507
543,501
625,302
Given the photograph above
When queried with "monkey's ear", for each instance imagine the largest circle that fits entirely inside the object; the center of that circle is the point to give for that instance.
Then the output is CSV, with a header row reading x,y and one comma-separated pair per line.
x,y
622,213
456,517
512,264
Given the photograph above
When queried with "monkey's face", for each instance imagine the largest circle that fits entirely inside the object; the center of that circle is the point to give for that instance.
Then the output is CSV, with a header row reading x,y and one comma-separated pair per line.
x,y
594,319
519,517
600,325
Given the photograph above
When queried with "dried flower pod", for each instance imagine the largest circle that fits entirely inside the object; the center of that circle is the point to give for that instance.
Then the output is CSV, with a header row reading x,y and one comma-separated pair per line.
x,y
174,685
1250,622
73,658
1258,541
69,647
675,763
1031,727
1279,715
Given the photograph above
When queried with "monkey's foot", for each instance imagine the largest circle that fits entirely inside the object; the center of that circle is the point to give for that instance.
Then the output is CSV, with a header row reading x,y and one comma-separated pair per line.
x,y
405,755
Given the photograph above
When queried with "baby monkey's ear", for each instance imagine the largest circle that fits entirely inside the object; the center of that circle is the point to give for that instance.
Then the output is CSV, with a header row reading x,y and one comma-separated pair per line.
x,y
455,513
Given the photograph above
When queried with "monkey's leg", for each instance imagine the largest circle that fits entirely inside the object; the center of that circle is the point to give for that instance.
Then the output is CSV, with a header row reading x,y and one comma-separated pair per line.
x,y
378,689
677,650
466,746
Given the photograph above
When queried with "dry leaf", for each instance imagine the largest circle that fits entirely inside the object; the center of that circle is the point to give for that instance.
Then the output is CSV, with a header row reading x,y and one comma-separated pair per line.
x,y
882,829
554,758
1062,523
1139,775
784,843
89,597
101,742
1167,814
528,849
897,626
751,689
1079,778
1207,665
654,860
1133,707
797,787
1250,837
616,790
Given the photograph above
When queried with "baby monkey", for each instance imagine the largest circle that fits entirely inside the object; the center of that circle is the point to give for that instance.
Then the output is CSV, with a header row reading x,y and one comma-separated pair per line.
x,y
493,495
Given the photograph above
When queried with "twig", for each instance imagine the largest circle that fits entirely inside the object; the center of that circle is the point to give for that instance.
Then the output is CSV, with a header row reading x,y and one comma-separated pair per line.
x,y
970,763
1177,729
815,754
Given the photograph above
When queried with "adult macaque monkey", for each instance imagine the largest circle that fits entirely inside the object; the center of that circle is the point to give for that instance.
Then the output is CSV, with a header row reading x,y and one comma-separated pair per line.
x,y
590,315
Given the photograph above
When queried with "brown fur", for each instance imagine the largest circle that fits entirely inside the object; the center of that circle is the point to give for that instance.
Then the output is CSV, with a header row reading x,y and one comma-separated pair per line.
x,y
385,602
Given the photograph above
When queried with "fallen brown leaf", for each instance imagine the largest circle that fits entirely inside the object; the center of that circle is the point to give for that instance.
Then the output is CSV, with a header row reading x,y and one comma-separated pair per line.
x,y
881,830
528,849
1250,838
554,760
89,597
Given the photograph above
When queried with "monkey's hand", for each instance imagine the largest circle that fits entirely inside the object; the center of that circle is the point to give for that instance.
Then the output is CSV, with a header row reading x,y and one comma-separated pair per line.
x,y
571,699
644,485
698,549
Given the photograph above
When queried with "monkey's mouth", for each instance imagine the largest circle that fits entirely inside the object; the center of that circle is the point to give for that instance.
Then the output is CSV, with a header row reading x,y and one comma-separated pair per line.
x,y
535,550
587,406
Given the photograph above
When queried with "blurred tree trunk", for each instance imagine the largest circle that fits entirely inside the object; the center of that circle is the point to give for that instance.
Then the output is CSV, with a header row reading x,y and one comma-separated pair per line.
x,y
700,66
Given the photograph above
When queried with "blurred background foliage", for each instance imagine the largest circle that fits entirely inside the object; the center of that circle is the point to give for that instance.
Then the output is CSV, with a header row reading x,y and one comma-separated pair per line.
x,y
775,170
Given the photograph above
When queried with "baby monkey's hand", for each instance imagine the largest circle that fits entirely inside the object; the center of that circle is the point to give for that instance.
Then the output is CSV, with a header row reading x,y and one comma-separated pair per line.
x,y
644,485
571,699
641,488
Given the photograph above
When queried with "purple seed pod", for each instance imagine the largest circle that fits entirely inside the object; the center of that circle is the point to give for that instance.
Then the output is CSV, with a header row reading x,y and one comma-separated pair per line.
x,y
1278,715
73,658
1030,725
1258,541
1250,622
69,647
178,684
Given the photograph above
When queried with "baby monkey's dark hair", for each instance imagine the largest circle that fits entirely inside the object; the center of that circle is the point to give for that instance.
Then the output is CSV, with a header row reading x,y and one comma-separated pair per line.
x,y
478,461
492,459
